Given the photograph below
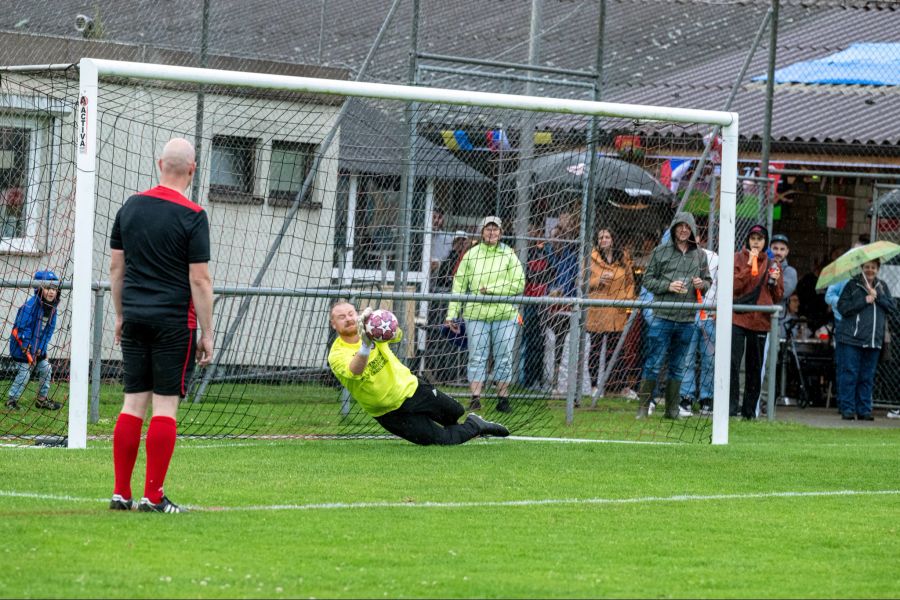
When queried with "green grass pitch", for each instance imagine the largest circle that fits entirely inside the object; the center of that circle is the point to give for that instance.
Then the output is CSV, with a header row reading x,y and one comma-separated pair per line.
x,y
783,511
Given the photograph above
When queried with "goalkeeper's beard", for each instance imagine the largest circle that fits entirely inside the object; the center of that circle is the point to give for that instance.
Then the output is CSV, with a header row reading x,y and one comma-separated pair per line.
x,y
349,331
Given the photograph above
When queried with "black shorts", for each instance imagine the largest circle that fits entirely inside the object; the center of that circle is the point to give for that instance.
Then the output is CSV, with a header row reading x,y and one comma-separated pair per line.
x,y
157,358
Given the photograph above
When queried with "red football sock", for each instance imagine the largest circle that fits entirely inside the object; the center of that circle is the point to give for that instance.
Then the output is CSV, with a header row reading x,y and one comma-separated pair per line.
x,y
126,443
160,446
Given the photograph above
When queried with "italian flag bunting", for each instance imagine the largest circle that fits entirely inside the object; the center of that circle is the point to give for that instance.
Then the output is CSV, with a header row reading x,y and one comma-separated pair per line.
x,y
831,211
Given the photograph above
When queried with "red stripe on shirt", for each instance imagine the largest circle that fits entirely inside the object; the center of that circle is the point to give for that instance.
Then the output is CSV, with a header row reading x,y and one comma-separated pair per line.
x,y
170,195
192,315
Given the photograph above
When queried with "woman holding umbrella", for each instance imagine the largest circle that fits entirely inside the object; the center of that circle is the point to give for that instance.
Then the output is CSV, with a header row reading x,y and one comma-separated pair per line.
x,y
864,305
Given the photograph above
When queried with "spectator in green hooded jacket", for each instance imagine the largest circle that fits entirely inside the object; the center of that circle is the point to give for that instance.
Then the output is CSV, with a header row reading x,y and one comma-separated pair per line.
x,y
678,271
490,268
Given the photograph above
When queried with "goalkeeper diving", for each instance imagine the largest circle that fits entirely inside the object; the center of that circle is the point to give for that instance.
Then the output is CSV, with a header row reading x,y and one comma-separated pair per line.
x,y
386,389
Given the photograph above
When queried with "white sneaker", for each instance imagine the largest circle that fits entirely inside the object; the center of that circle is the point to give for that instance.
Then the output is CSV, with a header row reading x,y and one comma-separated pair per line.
x,y
629,394
685,412
652,407
893,414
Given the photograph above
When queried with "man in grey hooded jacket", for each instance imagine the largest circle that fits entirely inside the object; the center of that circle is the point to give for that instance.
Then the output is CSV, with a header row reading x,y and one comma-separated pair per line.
x,y
677,270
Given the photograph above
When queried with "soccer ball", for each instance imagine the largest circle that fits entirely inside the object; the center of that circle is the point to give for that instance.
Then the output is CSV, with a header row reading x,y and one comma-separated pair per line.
x,y
382,325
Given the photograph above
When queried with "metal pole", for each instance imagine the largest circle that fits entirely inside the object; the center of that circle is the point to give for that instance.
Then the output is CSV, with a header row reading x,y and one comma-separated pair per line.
x,y
201,98
783,395
576,362
771,365
770,92
500,171
526,141
695,176
321,31
407,181
96,355
573,384
873,226
767,121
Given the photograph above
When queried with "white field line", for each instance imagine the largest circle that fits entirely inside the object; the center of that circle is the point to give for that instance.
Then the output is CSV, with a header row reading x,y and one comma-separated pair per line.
x,y
487,503
523,438
263,441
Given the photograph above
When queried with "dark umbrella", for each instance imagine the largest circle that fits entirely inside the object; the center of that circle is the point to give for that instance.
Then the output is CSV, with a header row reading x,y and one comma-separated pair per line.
x,y
622,184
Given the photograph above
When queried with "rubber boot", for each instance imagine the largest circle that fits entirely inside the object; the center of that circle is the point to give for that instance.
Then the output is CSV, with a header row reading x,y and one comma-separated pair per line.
x,y
673,398
645,394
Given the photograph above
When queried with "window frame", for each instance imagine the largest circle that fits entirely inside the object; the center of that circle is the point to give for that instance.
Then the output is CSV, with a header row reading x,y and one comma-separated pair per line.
x,y
285,198
37,128
227,194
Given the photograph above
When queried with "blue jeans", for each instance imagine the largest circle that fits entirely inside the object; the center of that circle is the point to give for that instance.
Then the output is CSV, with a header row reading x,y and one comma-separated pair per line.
x,y
704,338
23,374
857,367
491,337
670,339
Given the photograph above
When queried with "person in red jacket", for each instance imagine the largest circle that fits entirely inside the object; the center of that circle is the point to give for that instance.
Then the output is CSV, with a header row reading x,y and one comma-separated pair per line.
x,y
757,280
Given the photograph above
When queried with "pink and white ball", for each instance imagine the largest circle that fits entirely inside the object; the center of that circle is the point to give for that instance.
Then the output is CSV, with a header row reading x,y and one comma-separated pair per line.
x,y
382,325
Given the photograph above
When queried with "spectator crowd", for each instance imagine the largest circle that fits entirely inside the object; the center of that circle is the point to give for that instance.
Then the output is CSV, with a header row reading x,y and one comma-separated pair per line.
x,y
655,356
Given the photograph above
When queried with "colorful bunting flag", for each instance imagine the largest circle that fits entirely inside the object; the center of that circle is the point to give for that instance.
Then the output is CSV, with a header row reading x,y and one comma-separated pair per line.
x,y
542,138
672,171
497,140
456,140
831,211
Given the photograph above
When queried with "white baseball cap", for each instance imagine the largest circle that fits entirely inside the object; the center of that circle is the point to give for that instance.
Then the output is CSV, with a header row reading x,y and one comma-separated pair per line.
x,y
488,220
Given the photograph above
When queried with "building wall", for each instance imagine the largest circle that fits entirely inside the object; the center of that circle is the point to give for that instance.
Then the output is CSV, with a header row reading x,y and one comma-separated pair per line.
x,y
134,124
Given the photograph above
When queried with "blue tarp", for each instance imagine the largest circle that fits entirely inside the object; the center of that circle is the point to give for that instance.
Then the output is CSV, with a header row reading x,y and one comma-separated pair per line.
x,y
860,64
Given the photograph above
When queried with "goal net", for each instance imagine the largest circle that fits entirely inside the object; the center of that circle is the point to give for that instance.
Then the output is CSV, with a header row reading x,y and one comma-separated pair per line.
x,y
319,191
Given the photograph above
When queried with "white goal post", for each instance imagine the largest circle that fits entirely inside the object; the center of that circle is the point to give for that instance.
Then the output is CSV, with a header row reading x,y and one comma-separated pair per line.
x,y
92,70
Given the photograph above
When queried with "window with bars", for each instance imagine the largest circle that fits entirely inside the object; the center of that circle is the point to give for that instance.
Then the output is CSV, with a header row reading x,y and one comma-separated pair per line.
x,y
289,164
232,176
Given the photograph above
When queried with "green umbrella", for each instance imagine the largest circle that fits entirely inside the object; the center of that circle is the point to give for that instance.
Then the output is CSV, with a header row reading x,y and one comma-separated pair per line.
x,y
850,262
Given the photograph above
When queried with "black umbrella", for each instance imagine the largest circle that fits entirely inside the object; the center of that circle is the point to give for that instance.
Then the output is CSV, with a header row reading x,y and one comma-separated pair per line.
x,y
622,184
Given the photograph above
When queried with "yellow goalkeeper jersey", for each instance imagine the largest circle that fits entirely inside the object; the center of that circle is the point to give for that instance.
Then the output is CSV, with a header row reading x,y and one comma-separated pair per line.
x,y
382,386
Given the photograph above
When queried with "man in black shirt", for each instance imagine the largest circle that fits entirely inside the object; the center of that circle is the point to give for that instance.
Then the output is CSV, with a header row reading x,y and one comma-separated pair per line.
x,y
161,289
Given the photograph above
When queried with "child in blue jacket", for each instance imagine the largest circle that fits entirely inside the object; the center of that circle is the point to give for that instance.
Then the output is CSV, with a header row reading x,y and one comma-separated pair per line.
x,y
35,323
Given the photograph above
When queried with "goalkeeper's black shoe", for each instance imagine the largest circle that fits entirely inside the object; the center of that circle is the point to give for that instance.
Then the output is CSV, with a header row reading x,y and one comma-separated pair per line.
x,y
120,503
46,403
486,427
12,405
164,506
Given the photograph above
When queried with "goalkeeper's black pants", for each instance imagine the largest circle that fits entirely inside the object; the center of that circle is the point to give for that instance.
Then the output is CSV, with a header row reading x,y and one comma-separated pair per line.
x,y
429,417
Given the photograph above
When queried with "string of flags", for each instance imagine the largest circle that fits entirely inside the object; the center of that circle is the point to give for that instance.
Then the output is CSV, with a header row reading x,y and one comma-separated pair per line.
x,y
495,140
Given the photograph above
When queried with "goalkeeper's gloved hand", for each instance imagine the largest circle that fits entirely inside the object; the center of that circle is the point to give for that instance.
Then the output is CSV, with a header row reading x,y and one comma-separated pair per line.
x,y
361,327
